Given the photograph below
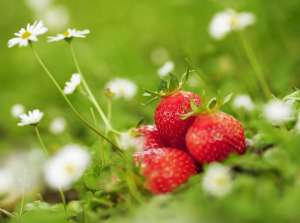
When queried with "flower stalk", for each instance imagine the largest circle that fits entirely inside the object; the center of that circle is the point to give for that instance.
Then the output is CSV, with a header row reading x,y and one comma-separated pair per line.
x,y
79,116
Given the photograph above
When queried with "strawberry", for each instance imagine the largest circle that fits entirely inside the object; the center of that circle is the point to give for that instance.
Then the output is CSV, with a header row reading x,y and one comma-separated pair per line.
x,y
171,127
165,168
151,138
214,136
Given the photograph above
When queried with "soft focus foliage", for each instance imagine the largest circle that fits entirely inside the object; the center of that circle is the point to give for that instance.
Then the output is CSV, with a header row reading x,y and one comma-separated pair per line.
x,y
134,40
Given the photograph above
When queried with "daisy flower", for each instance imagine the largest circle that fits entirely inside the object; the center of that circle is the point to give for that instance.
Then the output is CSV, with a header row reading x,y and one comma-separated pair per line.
x,y
122,88
72,85
165,69
57,126
20,174
38,6
243,102
68,35
28,34
16,110
128,141
229,20
278,112
57,17
31,118
217,180
66,167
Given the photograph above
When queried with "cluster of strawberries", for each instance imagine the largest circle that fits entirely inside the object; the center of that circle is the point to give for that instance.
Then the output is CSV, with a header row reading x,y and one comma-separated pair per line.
x,y
176,148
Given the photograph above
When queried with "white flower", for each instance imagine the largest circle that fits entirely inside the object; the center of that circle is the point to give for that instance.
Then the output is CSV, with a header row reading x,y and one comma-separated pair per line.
x,y
6,181
38,6
56,18
165,69
58,125
69,34
278,112
32,118
16,110
66,167
159,55
28,34
128,141
229,20
217,180
122,88
243,102
71,85
20,174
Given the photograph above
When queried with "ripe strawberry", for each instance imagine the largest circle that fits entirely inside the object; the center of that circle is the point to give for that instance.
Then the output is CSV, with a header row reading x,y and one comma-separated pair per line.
x,y
165,168
151,138
213,136
171,127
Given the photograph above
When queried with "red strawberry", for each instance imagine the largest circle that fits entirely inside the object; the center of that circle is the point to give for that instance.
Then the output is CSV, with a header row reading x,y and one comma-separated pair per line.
x,y
213,136
165,168
150,136
171,127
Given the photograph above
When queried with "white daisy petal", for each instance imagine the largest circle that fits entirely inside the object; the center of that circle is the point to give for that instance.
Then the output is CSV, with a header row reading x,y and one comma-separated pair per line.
x,y
122,88
30,34
69,34
229,20
278,112
72,85
57,126
32,118
66,167
217,180
165,69
16,110
243,102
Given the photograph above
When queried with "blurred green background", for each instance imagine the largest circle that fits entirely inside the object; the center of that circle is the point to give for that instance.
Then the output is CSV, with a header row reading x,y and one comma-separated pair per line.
x,y
124,35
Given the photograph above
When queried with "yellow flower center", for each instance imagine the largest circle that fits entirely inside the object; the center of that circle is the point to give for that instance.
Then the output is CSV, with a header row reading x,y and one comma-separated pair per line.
x,y
71,169
66,33
26,35
220,181
234,22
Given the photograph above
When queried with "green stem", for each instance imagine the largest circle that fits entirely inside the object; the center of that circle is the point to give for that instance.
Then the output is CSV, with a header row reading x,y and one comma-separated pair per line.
x,y
63,199
88,90
256,66
37,131
22,203
84,121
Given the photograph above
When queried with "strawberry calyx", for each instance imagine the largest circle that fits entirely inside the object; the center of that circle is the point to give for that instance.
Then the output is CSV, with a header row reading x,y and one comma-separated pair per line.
x,y
169,86
208,106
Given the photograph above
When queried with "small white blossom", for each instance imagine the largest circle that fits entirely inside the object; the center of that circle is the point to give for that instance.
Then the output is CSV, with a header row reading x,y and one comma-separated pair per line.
x,y
217,180
69,34
128,141
122,88
229,20
58,125
16,110
20,174
72,85
38,6
278,112
159,55
56,18
66,167
28,34
165,69
31,118
243,102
